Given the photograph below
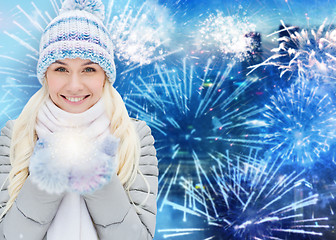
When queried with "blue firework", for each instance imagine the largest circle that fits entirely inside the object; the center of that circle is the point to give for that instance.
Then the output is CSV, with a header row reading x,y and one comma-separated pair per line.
x,y
300,123
247,198
193,108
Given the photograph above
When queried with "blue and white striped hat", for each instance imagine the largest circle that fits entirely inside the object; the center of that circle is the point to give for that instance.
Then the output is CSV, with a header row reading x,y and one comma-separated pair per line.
x,y
77,32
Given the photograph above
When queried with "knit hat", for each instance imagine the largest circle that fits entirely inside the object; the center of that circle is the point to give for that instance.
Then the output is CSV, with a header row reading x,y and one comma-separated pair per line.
x,y
77,32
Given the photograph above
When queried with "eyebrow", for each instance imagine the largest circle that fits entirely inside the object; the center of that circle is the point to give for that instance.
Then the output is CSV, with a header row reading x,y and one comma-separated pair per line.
x,y
89,63
59,62
84,64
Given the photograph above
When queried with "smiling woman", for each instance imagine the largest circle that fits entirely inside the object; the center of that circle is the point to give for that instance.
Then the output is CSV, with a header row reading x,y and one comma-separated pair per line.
x,y
75,85
77,166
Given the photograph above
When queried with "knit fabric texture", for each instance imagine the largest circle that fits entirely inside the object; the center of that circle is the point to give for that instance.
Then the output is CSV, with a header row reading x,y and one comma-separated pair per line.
x,y
77,32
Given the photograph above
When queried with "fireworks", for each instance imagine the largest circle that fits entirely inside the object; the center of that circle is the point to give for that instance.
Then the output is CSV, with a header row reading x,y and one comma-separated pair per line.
x,y
196,110
246,198
18,67
228,34
139,37
300,123
192,112
310,55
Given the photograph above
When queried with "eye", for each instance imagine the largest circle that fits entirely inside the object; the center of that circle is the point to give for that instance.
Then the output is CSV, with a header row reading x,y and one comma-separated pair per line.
x,y
89,69
60,69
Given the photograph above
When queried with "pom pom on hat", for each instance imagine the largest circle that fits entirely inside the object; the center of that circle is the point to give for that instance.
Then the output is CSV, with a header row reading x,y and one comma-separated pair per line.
x,y
95,7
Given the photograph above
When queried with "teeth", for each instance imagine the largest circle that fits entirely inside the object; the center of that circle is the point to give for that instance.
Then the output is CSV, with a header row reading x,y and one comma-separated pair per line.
x,y
72,99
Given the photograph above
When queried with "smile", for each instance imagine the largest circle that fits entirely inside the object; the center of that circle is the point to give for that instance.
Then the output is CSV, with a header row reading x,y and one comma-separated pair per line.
x,y
75,99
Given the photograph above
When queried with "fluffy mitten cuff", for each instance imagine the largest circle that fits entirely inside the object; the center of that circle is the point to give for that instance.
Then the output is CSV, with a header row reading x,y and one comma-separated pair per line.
x,y
45,171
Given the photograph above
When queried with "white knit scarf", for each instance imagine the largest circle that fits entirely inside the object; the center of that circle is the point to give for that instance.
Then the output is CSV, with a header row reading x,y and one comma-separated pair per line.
x,y
72,220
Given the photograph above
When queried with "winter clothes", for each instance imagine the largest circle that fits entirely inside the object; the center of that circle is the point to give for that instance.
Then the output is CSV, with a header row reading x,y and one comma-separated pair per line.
x,y
111,209
72,220
75,152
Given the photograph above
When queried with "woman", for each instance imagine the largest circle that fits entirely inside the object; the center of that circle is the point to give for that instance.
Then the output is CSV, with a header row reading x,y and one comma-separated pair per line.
x,y
74,165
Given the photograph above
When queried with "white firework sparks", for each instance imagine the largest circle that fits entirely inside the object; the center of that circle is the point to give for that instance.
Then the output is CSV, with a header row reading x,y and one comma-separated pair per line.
x,y
140,33
308,55
229,34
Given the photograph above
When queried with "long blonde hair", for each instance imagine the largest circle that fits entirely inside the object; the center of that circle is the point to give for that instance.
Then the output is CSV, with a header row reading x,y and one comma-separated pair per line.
x,y
24,138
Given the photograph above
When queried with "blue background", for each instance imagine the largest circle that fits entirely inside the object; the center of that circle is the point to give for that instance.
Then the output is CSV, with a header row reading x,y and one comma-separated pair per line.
x,y
229,131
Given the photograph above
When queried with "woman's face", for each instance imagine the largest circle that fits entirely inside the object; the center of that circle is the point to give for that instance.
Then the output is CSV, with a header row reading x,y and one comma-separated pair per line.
x,y
75,85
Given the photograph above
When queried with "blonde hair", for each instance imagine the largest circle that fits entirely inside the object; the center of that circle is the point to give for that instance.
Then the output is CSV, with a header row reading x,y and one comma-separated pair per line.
x,y
24,138
123,128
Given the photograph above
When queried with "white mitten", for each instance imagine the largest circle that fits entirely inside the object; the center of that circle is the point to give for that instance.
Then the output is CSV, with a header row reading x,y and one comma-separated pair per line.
x,y
48,173
98,170
70,161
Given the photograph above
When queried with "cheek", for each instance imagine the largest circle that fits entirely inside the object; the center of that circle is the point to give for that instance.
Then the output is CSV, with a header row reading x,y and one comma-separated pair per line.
x,y
97,87
98,90
54,86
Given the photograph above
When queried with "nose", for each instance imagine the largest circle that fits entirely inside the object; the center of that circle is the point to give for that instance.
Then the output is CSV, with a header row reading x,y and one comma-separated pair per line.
x,y
75,84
